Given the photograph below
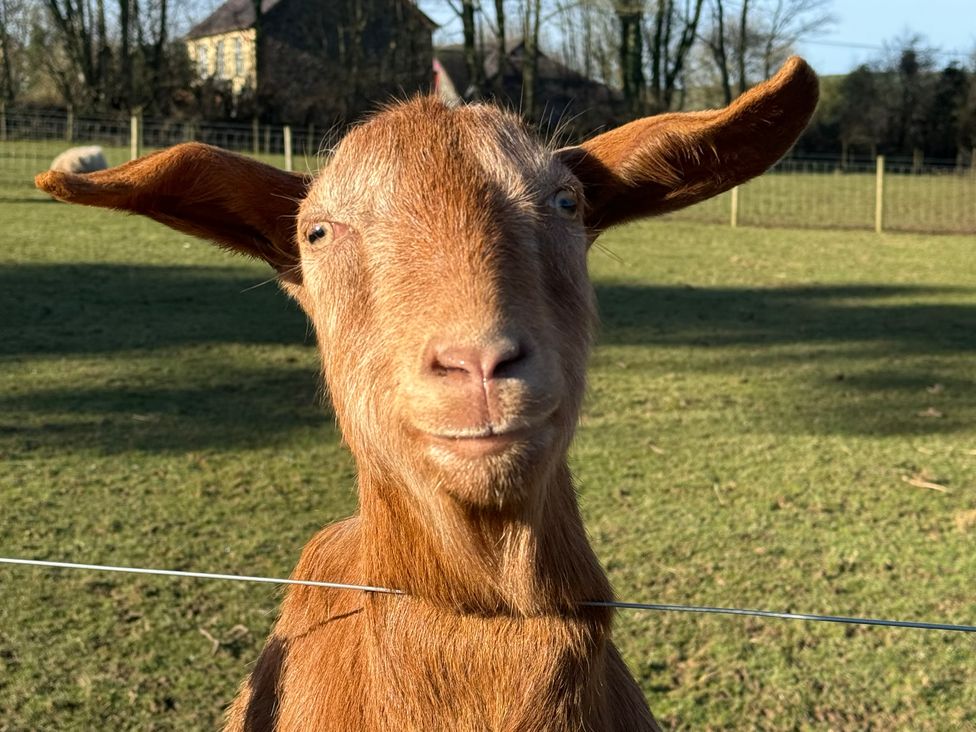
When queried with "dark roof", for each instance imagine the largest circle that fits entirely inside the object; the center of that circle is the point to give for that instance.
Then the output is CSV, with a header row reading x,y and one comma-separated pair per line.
x,y
239,14
232,15
548,70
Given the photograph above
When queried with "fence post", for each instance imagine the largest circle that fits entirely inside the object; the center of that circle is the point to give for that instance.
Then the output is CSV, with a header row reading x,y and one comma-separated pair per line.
x,y
267,139
135,134
879,194
734,214
69,125
254,135
287,140
972,162
3,121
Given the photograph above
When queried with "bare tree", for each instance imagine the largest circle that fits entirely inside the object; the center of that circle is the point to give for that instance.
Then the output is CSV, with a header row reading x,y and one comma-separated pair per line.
x,y
467,12
9,47
530,59
671,38
715,40
765,34
784,22
630,16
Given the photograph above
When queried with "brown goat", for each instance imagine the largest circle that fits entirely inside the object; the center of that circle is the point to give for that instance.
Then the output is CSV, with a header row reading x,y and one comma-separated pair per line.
x,y
441,256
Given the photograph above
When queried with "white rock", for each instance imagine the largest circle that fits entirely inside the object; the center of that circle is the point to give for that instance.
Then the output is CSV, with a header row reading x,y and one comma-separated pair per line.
x,y
80,160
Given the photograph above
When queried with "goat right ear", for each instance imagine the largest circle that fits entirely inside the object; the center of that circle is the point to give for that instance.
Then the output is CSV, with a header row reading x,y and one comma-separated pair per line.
x,y
235,201
663,163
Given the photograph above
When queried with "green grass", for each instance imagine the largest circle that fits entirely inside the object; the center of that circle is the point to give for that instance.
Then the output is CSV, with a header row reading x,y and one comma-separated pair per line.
x,y
757,400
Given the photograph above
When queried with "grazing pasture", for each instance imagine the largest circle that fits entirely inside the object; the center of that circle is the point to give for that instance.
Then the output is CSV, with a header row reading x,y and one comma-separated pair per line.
x,y
782,419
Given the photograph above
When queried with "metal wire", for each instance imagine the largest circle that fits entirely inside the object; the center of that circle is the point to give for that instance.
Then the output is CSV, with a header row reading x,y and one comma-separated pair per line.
x,y
593,603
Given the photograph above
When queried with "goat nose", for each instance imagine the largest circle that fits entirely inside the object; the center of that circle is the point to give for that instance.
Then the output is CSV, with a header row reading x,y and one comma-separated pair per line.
x,y
479,363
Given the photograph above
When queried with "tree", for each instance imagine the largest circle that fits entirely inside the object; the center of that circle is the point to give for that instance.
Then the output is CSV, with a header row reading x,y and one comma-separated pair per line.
x,y
761,39
671,37
13,43
530,58
715,41
861,113
630,16
944,132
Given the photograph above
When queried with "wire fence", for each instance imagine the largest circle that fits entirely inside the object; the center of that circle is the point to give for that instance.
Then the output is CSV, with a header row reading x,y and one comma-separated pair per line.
x,y
618,605
883,195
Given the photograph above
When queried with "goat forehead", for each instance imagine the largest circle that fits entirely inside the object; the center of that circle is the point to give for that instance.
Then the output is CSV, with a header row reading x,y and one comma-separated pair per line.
x,y
421,158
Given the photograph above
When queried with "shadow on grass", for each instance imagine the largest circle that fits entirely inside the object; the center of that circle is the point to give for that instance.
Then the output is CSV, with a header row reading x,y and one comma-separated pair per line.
x,y
237,408
877,359
836,314
115,312
88,308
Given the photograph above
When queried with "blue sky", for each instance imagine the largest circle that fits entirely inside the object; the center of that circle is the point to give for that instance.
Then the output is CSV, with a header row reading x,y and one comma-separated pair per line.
x,y
946,24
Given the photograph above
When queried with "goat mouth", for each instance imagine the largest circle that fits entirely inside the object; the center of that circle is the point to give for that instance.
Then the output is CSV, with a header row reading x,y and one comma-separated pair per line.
x,y
479,443
483,441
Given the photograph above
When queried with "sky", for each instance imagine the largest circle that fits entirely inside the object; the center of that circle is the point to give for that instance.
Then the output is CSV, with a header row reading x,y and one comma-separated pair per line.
x,y
949,25
946,24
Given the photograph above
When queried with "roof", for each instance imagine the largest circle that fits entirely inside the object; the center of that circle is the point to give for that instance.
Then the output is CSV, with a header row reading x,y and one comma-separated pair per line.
x,y
231,16
549,69
236,15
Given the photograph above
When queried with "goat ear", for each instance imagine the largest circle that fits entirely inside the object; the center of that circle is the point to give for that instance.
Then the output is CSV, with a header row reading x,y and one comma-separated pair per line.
x,y
235,201
663,163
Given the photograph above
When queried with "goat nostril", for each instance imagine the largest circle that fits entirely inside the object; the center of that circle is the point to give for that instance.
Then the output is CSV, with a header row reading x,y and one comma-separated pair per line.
x,y
453,361
507,361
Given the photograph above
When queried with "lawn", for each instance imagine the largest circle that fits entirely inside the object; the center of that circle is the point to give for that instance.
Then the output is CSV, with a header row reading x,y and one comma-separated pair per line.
x,y
764,405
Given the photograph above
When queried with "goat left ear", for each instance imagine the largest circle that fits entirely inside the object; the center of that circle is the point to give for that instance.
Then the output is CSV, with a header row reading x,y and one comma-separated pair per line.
x,y
663,163
235,201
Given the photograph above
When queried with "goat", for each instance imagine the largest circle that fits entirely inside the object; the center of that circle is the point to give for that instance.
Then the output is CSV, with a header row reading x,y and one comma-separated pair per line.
x,y
440,255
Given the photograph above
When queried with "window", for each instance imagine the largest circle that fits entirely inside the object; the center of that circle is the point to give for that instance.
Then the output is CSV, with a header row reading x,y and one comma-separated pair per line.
x,y
221,68
238,57
203,65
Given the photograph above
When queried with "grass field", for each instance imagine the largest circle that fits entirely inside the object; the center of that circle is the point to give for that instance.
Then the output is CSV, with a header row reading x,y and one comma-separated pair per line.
x,y
764,406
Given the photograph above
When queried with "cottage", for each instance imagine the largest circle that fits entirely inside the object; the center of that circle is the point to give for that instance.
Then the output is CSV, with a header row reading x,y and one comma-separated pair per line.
x,y
562,96
315,60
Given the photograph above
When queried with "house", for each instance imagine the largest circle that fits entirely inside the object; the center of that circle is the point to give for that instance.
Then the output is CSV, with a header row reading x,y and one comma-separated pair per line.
x,y
321,61
563,97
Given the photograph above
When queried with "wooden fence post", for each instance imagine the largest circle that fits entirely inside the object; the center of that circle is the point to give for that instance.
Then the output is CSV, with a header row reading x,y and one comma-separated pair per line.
x,y
255,130
135,135
69,125
734,214
3,121
879,194
286,133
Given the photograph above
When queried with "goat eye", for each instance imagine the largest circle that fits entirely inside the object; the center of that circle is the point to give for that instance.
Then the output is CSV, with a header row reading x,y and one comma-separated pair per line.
x,y
317,232
566,203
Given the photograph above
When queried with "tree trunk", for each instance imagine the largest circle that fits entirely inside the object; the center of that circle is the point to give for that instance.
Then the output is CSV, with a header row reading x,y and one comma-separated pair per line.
x,y
159,51
501,49
530,60
258,60
720,53
743,46
6,72
471,61
125,55
632,56
685,42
